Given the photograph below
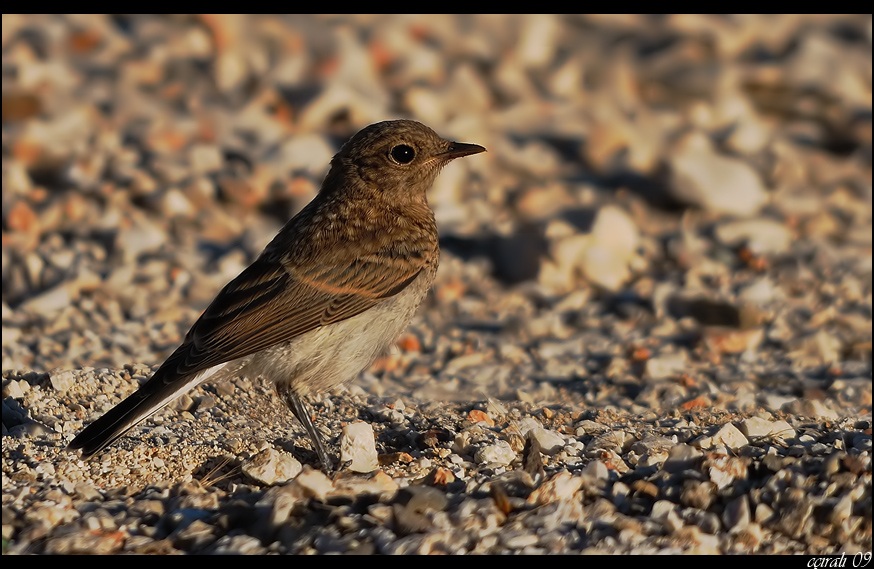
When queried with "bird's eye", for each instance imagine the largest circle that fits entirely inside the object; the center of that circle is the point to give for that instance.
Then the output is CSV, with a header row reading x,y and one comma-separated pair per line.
x,y
403,154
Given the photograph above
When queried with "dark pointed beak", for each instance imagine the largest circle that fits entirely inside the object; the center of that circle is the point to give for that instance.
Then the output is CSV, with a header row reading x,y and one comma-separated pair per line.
x,y
459,149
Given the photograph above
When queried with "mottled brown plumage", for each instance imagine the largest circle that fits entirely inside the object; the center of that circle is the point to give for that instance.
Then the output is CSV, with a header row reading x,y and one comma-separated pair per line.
x,y
335,287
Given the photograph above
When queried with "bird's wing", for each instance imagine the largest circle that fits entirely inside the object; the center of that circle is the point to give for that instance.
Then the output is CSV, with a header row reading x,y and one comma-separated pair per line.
x,y
271,302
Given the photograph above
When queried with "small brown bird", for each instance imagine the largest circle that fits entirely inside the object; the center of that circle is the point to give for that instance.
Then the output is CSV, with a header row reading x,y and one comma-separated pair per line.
x,y
327,296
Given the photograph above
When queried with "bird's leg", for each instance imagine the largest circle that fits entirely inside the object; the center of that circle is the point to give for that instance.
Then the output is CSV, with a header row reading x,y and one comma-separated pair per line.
x,y
296,404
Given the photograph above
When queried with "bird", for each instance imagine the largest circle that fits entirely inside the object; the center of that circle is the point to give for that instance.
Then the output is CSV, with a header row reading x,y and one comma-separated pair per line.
x,y
332,291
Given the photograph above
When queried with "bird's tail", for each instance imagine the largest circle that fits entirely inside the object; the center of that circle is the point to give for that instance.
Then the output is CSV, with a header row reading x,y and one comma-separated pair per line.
x,y
148,399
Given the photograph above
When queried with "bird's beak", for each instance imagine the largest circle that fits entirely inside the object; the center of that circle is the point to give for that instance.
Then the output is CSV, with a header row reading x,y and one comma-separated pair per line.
x,y
459,149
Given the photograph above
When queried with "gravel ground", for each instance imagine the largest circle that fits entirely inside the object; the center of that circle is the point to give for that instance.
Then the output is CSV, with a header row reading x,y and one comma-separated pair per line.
x,y
650,332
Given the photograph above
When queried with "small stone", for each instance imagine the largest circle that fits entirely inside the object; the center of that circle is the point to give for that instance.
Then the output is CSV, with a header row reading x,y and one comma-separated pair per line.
x,y
31,429
205,402
776,401
653,450
589,427
613,461
91,543
862,442
358,446
442,476
724,469
758,293
423,498
750,537
736,515
238,544
764,513
526,424
561,487
682,457
762,236
479,416
499,453
614,241
271,466
810,408
307,153
195,535
726,340
517,540
538,41
596,470
666,512
412,508
174,203
749,136
615,230
602,256
314,483
353,486
795,509
550,441
182,403
49,302
88,493
62,380
35,267
708,522
698,495
756,428
716,183
619,493
731,437
842,510
141,237
21,217
205,158
12,388
603,268
697,542
665,366
611,440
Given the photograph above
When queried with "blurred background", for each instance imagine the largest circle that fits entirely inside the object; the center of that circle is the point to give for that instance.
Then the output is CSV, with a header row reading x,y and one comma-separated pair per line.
x,y
667,189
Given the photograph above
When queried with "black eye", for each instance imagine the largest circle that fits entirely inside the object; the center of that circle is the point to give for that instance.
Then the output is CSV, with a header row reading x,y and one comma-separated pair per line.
x,y
403,154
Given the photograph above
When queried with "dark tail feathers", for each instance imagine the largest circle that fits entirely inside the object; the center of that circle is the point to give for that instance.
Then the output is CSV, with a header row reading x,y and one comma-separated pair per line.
x,y
121,418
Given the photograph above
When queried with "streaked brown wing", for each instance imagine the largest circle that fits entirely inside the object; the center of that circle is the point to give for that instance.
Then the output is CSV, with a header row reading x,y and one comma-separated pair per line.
x,y
270,303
